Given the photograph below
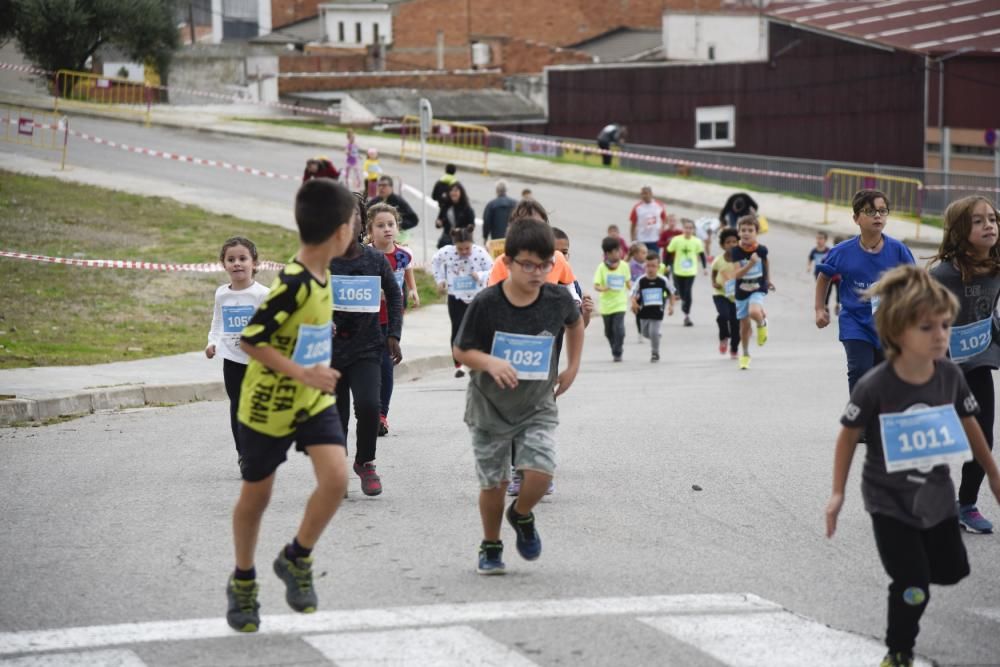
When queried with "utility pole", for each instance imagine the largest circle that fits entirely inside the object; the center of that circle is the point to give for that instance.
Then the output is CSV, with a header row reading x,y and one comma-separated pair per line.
x,y
191,21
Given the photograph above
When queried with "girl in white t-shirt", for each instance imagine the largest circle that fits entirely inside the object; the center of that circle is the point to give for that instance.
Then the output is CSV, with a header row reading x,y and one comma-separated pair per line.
x,y
235,304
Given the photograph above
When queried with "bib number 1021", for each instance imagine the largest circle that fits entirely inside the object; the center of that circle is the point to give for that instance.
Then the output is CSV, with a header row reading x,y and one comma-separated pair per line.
x,y
523,357
927,439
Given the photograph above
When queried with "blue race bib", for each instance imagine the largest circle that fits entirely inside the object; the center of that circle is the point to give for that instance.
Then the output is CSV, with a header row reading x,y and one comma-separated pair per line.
x,y
236,318
616,281
531,356
730,288
399,274
923,438
464,284
652,296
687,263
314,345
357,294
969,340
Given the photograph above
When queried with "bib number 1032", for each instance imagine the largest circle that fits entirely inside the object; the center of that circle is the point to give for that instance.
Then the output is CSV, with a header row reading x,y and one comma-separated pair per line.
x,y
531,356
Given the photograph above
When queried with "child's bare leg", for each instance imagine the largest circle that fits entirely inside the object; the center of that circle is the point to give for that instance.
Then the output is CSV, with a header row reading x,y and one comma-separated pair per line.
x,y
330,468
491,502
247,514
745,335
757,314
534,484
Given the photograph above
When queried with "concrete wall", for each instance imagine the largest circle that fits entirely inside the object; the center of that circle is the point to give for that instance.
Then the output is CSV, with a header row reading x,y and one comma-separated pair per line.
x,y
732,37
332,16
229,71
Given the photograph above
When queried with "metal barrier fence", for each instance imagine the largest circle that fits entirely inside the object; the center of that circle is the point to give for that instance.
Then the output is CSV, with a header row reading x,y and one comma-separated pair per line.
x,y
37,129
905,195
89,90
447,139
798,177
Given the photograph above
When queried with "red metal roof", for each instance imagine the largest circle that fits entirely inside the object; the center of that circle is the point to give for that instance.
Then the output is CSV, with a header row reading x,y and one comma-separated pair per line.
x,y
933,27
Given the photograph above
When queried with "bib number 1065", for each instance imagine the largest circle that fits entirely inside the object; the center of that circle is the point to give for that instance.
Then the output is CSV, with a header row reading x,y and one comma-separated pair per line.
x,y
354,294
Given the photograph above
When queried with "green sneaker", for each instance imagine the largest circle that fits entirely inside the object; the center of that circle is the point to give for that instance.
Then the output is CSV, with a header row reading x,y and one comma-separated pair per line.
x,y
898,659
298,578
242,614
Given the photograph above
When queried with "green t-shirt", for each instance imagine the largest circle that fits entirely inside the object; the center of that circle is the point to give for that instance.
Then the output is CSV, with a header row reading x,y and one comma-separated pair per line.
x,y
297,307
615,299
721,266
685,252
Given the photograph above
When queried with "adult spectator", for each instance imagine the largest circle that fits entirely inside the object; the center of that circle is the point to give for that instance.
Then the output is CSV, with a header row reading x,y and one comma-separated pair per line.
x,y
611,134
440,190
497,214
647,219
384,193
456,213
736,207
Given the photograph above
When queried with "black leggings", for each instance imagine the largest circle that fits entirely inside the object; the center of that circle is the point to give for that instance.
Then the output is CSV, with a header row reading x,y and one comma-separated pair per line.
x,y
232,376
981,384
388,375
683,285
456,311
729,326
363,379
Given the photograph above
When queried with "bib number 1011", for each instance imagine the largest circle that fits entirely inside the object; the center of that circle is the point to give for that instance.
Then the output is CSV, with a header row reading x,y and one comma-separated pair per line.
x,y
926,439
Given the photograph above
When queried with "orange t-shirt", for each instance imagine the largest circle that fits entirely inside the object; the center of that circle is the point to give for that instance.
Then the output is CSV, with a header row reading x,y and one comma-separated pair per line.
x,y
561,273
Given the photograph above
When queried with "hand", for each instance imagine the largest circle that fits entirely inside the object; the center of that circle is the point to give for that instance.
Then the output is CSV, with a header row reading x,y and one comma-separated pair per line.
x,y
600,288
587,305
565,380
414,298
833,511
438,223
635,308
392,344
771,287
754,259
320,377
210,351
502,373
475,276
442,288
717,286
822,317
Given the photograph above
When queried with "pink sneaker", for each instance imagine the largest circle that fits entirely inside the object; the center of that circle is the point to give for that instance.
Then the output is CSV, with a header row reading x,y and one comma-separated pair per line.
x,y
722,347
371,483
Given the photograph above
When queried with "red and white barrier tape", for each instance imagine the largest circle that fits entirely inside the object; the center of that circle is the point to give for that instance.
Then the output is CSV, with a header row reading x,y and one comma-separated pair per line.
x,y
131,264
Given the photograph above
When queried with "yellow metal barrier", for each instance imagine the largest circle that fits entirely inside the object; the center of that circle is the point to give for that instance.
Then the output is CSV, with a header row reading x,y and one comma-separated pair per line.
x,y
37,129
446,140
93,91
906,195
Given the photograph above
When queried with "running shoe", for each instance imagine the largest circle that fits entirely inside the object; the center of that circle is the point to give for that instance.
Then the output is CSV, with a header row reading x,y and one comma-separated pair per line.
x,y
491,558
762,334
745,362
552,488
383,425
898,659
242,614
616,358
529,544
688,322
654,357
734,355
371,483
459,373
514,487
723,346
974,522
298,577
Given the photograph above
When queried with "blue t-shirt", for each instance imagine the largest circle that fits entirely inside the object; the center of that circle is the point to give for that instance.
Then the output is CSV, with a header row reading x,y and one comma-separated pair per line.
x,y
859,270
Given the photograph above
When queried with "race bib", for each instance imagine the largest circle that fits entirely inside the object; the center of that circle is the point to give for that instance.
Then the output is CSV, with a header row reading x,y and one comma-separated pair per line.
x,y
923,438
969,340
464,284
531,356
357,294
235,318
730,288
314,345
687,263
749,286
652,296
399,274
616,281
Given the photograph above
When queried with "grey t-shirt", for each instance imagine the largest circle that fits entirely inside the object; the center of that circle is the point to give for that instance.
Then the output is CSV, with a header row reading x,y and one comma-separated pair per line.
x,y
915,498
978,301
503,411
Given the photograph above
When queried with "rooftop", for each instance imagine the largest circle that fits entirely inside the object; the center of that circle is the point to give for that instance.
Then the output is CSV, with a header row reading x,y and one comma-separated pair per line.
x,y
623,45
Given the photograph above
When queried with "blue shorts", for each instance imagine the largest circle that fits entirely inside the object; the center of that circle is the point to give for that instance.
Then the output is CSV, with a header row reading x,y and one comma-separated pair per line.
x,y
260,454
743,305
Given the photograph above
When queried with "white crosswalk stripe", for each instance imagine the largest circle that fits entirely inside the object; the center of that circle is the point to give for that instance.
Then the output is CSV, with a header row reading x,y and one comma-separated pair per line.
x,y
110,658
454,646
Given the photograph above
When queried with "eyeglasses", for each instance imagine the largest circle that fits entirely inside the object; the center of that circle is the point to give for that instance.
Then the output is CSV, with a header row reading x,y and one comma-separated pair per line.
x,y
532,267
871,212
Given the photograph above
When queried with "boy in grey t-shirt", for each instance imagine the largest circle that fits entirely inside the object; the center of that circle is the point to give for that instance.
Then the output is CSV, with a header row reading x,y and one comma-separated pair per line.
x,y
507,340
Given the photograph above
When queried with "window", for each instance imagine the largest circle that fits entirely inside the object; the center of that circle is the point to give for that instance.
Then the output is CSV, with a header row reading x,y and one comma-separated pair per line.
x,y
357,33
375,38
715,127
340,31
711,51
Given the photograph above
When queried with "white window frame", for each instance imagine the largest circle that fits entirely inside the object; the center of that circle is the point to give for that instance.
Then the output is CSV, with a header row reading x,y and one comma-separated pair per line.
x,y
713,115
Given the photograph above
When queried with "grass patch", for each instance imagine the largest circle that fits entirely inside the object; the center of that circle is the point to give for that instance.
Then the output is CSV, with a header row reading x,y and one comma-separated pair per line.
x,y
312,125
48,421
54,315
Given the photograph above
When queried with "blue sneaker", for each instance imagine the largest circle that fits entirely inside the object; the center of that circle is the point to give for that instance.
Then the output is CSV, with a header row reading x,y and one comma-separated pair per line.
x,y
529,544
974,522
491,558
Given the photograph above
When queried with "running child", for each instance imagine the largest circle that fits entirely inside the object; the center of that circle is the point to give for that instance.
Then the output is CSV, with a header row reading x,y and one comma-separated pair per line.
x,y
753,281
684,252
372,170
461,270
352,174
667,235
287,397
724,293
968,265
859,262
382,228
916,396
614,281
615,233
637,267
649,295
235,303
507,338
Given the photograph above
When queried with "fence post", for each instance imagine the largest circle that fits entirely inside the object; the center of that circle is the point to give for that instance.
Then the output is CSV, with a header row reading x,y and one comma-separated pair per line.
x,y
62,163
149,103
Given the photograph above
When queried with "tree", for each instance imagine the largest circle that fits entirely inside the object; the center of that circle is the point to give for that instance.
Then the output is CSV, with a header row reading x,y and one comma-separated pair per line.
x,y
63,34
6,20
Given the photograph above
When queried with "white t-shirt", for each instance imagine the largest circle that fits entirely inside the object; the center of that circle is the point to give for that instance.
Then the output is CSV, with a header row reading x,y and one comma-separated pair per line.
x,y
456,271
648,220
233,309
706,227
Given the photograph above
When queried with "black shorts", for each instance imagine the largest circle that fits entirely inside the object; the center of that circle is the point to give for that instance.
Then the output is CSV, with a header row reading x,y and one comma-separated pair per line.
x,y
260,454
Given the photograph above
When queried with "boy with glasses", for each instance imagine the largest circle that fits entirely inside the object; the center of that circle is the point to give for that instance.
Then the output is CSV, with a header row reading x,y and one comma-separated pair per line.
x,y
507,340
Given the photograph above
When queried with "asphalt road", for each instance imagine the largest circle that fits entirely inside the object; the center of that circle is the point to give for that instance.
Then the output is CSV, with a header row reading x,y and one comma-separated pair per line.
x,y
125,517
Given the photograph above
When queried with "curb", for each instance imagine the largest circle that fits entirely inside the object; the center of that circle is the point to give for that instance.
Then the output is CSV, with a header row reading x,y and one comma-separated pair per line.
x,y
17,410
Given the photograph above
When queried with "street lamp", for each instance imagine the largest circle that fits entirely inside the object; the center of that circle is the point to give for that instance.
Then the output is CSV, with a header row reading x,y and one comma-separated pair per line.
x,y
945,150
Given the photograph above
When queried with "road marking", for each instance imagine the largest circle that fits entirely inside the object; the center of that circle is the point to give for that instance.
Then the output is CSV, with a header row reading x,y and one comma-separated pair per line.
x,y
454,646
118,658
775,639
33,641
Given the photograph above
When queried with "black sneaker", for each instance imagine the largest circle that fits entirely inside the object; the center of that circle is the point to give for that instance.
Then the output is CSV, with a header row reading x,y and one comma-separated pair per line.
x,y
491,558
529,544
243,614
298,577
655,357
